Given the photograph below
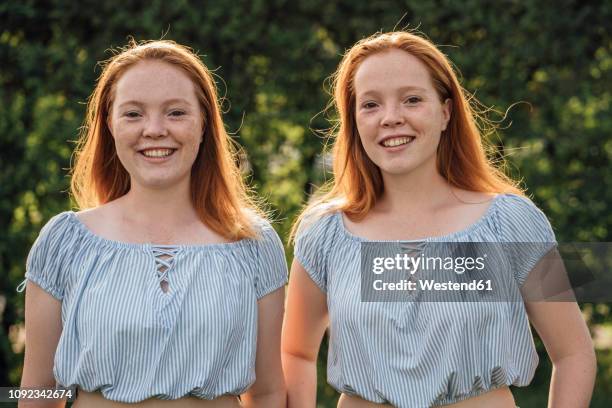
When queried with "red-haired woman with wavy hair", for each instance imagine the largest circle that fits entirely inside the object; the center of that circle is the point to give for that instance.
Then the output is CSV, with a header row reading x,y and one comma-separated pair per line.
x,y
410,168
167,289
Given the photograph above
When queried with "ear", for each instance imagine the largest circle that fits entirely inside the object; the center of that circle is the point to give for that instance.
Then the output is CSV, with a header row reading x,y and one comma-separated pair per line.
x,y
447,107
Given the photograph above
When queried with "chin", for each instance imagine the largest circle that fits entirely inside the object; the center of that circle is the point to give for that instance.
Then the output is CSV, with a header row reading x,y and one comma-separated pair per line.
x,y
158,183
397,168
406,166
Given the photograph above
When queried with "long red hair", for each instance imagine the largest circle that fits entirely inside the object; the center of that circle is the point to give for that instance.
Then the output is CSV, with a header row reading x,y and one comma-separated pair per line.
x,y
218,192
461,156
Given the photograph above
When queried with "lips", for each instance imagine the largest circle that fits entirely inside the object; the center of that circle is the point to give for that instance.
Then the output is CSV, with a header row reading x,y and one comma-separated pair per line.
x,y
157,152
394,141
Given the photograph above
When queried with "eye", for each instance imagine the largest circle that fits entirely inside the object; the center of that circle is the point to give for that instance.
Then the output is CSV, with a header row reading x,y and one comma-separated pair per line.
x,y
413,100
177,113
369,105
132,114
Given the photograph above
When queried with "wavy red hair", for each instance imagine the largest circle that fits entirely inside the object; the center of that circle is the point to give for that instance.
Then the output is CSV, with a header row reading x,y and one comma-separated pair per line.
x,y
218,192
461,156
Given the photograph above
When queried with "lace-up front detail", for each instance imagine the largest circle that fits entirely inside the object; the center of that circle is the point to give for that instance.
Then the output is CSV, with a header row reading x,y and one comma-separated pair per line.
x,y
165,256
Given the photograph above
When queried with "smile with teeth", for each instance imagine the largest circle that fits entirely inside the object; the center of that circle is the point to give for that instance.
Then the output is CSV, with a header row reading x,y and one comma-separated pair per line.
x,y
157,152
397,141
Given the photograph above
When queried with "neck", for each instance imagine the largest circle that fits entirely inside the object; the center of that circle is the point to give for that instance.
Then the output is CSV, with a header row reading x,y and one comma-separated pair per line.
x,y
421,189
168,206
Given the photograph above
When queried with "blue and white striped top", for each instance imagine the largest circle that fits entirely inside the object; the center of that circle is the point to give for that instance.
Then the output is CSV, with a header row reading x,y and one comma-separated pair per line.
x,y
127,338
422,354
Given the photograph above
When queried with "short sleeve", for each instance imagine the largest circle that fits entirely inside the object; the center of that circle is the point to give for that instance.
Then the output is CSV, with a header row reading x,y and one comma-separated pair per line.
x,y
313,241
526,232
45,259
272,265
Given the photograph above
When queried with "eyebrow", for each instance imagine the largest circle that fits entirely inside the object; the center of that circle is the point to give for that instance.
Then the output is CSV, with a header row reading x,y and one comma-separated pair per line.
x,y
402,89
167,102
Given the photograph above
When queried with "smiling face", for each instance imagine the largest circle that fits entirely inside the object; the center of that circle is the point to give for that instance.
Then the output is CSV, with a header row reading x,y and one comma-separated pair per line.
x,y
398,112
157,124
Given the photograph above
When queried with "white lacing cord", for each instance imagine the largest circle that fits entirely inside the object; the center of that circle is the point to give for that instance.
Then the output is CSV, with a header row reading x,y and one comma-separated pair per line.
x,y
160,263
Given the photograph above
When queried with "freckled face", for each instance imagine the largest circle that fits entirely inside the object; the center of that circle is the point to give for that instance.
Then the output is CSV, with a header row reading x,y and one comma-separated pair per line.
x,y
157,124
398,112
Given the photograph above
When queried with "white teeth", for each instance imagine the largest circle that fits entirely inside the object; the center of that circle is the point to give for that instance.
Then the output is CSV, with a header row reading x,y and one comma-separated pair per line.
x,y
157,152
396,141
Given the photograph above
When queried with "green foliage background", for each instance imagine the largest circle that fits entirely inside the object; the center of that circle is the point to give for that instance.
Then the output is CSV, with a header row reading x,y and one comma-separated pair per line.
x,y
274,56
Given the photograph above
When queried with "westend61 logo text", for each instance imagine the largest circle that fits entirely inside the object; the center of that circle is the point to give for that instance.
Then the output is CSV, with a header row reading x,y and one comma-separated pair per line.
x,y
411,263
405,263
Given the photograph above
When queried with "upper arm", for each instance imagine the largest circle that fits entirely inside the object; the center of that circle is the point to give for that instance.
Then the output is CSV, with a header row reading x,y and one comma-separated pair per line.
x,y
43,329
45,275
268,371
306,318
307,315
560,324
561,327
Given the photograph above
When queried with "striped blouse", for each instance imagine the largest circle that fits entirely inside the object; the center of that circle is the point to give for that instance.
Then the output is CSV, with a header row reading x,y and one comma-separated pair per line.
x,y
127,338
422,354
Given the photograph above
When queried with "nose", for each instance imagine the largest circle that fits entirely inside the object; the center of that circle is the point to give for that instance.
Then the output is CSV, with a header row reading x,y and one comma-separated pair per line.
x,y
392,116
155,127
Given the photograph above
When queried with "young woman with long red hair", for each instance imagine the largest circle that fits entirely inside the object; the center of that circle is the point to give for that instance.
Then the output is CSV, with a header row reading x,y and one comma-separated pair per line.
x,y
167,289
410,167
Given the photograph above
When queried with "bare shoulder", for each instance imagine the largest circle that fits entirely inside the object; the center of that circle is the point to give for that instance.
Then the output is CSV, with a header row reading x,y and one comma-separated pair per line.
x,y
469,205
89,214
95,219
473,197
